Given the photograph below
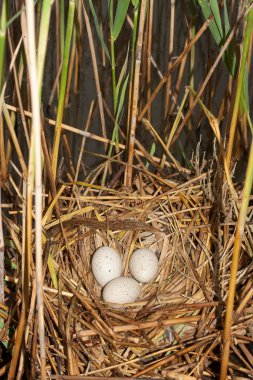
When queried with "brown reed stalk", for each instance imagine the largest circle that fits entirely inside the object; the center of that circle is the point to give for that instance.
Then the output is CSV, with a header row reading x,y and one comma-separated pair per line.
x,y
95,70
17,88
1,252
170,52
144,325
135,98
149,50
87,125
26,264
15,140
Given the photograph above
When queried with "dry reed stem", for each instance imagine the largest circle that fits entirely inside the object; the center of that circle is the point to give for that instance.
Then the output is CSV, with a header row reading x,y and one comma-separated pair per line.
x,y
158,71
67,377
1,252
170,52
142,152
15,140
149,51
17,88
135,98
173,67
143,325
25,262
96,74
36,134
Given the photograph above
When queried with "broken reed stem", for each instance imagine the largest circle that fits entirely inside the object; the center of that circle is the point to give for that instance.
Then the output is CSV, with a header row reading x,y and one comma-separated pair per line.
x,y
134,107
36,131
143,325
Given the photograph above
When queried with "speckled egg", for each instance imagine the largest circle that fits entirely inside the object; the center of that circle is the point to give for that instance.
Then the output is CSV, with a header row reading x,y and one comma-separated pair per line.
x,y
106,265
121,290
143,265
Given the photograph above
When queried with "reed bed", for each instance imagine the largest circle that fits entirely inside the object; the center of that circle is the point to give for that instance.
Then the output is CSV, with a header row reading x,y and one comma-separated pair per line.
x,y
147,189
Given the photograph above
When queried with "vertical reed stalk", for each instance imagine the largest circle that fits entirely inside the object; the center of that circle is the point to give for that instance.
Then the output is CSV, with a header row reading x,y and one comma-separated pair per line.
x,y
71,67
36,130
134,38
134,110
234,266
1,253
62,26
149,53
111,7
192,59
170,52
95,70
57,40
3,22
28,232
63,82
239,84
3,174
42,43
18,92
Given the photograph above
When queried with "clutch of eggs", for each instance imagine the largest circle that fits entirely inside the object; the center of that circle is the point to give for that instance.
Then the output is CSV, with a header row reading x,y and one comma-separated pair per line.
x,y
107,269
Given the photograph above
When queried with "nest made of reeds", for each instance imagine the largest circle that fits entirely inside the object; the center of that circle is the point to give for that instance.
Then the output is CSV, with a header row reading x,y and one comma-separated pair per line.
x,y
174,330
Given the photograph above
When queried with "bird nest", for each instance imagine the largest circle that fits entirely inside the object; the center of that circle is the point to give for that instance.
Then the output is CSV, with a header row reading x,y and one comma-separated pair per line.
x,y
175,327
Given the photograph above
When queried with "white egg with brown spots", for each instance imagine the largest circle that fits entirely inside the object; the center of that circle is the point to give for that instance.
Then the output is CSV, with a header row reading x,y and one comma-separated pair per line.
x,y
143,265
106,265
121,290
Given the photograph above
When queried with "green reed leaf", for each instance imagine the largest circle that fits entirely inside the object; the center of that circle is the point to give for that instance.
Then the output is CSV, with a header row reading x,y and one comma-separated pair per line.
x,y
120,17
96,22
